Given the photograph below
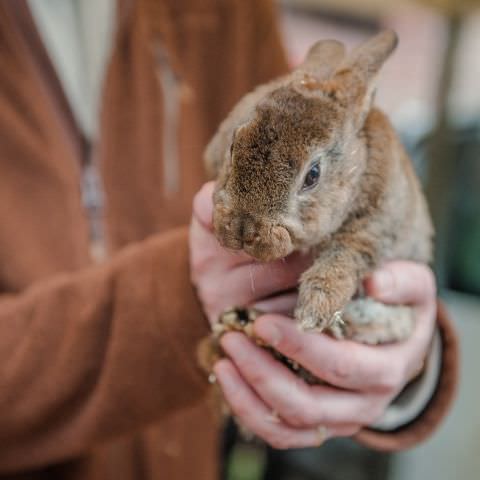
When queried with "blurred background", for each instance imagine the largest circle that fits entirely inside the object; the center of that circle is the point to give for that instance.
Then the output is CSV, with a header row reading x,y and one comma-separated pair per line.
x,y
431,90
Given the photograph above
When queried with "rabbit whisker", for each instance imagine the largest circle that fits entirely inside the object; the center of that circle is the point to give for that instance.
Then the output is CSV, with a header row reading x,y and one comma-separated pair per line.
x,y
252,279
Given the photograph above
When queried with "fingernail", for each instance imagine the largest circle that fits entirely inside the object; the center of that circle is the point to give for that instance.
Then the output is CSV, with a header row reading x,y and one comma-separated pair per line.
x,y
383,282
269,332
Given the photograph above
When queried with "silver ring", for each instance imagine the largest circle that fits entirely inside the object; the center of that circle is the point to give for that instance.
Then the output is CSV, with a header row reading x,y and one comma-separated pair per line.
x,y
273,417
322,434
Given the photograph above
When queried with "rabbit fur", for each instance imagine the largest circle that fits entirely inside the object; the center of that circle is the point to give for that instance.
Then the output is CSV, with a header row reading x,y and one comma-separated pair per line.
x,y
362,204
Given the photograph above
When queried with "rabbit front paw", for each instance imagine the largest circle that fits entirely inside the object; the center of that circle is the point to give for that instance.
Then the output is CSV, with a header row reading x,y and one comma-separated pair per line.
x,y
318,310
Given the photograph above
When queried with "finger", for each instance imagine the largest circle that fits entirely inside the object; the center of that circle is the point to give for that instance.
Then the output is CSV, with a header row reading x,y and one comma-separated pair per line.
x,y
298,404
256,416
345,364
408,283
245,284
206,252
203,205
402,282
202,238
224,279
281,304
412,352
259,280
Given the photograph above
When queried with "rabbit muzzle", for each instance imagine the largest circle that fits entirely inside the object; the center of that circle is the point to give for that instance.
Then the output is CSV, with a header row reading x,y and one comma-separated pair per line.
x,y
262,239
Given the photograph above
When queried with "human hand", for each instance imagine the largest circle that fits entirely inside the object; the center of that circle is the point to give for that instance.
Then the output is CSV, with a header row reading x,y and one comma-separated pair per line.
x,y
225,279
362,380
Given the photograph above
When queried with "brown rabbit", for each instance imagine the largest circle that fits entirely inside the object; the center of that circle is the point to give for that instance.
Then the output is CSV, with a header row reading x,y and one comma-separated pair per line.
x,y
306,163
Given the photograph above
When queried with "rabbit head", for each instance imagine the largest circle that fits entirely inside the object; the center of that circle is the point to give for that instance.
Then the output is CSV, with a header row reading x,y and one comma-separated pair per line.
x,y
292,160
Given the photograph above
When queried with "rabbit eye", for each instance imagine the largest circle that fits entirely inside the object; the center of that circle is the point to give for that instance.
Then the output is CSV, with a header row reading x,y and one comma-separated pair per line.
x,y
312,177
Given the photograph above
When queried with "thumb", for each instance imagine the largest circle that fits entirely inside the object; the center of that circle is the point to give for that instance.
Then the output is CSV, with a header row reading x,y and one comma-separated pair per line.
x,y
203,205
402,282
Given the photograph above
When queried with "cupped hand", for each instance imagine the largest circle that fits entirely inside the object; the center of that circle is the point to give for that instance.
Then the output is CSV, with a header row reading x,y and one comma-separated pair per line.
x,y
362,380
226,279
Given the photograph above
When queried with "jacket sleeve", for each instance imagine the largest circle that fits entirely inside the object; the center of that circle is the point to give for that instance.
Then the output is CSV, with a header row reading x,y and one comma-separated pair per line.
x,y
89,355
425,424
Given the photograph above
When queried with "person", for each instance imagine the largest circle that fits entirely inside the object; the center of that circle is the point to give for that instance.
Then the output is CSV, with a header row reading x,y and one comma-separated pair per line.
x,y
105,108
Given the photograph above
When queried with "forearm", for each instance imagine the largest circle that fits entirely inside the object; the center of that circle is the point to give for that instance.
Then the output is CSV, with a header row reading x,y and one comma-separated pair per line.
x,y
89,355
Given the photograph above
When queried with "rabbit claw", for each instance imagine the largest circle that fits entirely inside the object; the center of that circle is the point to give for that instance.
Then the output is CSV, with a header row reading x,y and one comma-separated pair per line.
x,y
337,319
309,319
318,310
337,322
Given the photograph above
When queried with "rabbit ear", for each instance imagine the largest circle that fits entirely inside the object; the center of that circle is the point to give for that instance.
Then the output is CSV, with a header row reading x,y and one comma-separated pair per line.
x,y
322,59
367,59
355,78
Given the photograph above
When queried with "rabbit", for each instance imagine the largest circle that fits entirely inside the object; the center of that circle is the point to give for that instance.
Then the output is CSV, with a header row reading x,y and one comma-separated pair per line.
x,y
307,163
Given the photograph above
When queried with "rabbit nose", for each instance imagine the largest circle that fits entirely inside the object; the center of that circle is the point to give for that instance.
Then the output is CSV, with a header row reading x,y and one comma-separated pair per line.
x,y
250,236
248,231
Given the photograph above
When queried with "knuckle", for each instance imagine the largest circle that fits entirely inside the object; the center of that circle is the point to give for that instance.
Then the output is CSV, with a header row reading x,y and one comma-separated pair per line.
x,y
297,417
341,370
290,346
391,379
257,377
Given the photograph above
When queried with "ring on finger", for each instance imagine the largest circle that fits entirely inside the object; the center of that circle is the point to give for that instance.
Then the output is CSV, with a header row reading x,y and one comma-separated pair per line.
x,y
322,434
273,417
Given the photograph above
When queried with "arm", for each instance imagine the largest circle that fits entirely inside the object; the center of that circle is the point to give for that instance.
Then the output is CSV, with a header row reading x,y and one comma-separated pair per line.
x,y
89,355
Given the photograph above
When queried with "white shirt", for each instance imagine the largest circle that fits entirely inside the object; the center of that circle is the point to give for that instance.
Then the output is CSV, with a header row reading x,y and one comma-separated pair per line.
x,y
78,37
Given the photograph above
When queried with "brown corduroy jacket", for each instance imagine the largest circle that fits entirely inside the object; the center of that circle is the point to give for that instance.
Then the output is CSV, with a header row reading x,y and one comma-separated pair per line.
x,y
98,378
